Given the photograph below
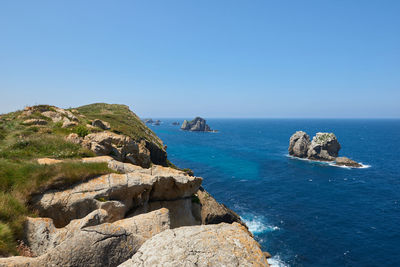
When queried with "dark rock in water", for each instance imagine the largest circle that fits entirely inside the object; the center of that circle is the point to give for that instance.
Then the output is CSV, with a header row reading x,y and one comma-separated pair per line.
x,y
299,144
324,146
148,121
344,161
196,125
175,123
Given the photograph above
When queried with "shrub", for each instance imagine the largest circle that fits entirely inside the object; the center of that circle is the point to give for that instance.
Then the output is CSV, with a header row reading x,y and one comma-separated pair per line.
x,y
82,131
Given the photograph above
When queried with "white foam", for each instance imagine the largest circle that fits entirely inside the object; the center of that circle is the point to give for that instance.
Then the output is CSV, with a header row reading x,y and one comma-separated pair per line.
x,y
257,224
276,261
330,163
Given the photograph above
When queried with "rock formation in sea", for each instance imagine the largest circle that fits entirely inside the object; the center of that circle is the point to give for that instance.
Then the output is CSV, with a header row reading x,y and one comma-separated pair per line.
x,y
125,214
175,123
323,147
196,125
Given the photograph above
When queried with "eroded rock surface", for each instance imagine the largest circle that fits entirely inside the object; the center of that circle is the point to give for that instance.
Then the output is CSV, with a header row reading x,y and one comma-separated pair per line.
x,y
344,161
206,245
324,146
299,144
121,147
196,125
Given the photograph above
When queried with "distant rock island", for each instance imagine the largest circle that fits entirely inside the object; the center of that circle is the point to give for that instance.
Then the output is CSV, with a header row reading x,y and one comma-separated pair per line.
x,y
323,147
175,123
196,125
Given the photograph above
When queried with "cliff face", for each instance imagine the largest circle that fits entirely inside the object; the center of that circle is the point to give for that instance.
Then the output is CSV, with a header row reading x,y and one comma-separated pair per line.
x,y
112,207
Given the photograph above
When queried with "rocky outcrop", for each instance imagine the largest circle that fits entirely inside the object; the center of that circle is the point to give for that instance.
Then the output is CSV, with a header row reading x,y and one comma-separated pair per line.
x,y
116,193
213,212
324,146
344,161
121,147
207,245
299,144
35,122
196,125
101,124
42,235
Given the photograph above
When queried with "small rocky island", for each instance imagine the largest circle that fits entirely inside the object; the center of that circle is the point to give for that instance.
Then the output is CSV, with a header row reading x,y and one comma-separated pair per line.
x,y
323,147
196,125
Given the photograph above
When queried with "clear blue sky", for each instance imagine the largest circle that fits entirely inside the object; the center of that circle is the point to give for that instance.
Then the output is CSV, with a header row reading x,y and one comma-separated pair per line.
x,y
270,58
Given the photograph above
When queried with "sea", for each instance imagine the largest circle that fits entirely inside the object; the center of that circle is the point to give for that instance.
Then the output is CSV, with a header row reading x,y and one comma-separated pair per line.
x,y
303,213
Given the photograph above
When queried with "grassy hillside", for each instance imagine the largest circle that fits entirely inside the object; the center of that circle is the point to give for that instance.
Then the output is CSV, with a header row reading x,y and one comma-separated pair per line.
x,y
122,120
22,144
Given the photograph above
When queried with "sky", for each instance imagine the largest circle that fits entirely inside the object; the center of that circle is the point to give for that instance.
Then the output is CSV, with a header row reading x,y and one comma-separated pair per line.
x,y
210,58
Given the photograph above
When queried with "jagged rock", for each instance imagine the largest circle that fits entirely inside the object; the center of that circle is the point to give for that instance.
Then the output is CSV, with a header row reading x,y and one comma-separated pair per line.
x,y
182,211
126,191
101,124
42,235
121,147
35,122
206,245
324,146
299,144
344,161
198,125
213,212
74,138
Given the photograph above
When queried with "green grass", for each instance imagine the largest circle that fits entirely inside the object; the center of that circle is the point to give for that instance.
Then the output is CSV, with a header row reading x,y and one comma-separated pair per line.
x,y
122,121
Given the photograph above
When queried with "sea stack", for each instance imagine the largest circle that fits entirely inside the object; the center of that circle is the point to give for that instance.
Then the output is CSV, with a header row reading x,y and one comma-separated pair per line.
x,y
323,147
196,125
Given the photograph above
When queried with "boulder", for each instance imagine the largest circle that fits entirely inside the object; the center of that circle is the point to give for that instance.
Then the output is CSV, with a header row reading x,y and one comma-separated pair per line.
x,y
206,245
54,116
324,146
344,161
101,245
42,235
121,147
197,125
213,212
35,122
74,138
299,144
101,124
48,161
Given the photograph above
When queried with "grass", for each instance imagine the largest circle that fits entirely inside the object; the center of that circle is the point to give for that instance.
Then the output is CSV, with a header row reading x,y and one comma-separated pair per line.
x,y
122,121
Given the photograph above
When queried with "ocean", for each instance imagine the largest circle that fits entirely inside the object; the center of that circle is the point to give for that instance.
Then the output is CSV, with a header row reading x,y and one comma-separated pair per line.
x,y
304,213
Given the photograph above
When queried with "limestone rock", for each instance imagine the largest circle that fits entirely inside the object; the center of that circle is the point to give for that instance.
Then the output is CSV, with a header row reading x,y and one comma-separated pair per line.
x,y
35,122
205,245
42,235
344,161
299,144
324,146
121,147
48,161
197,125
54,116
115,192
74,138
213,212
101,124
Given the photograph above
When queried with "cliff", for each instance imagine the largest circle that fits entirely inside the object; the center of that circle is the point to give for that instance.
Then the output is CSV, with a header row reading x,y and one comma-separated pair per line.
x,y
92,186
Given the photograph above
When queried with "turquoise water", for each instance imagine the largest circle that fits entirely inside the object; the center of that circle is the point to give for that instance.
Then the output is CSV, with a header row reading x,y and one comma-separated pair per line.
x,y
304,213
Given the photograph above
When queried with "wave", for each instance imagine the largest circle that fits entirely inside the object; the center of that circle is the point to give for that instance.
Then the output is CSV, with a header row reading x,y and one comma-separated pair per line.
x,y
363,166
276,261
257,224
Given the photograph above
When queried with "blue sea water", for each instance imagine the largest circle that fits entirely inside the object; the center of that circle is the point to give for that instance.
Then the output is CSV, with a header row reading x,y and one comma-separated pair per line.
x,y
304,213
